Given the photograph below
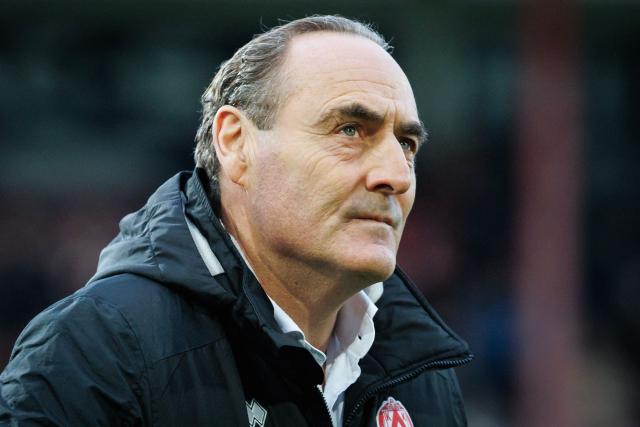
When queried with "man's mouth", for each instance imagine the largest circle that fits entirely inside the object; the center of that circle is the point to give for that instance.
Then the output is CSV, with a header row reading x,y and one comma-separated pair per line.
x,y
378,218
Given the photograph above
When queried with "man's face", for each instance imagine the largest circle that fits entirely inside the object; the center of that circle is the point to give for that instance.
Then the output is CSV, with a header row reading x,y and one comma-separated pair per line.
x,y
331,184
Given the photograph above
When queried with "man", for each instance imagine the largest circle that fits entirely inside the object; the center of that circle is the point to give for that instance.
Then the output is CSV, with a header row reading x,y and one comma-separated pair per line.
x,y
262,289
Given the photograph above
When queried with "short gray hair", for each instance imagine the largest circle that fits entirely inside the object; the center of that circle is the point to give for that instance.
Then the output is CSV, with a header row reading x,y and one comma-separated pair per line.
x,y
250,80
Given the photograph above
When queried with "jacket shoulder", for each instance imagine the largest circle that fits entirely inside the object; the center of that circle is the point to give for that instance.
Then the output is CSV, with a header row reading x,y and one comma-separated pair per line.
x,y
78,344
97,356
166,321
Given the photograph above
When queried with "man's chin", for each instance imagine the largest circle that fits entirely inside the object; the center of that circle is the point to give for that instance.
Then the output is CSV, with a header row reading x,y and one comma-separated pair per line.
x,y
373,269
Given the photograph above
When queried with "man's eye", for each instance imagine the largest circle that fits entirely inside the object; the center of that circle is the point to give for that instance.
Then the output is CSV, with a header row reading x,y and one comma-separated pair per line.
x,y
349,130
407,145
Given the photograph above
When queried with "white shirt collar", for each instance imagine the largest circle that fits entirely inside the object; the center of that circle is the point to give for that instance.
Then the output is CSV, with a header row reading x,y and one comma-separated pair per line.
x,y
351,340
288,326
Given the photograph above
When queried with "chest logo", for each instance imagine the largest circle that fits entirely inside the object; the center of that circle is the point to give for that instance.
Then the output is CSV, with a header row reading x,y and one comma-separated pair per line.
x,y
257,414
392,413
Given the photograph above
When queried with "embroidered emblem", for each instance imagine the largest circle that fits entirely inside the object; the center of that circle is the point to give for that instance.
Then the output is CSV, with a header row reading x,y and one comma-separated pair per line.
x,y
257,414
392,413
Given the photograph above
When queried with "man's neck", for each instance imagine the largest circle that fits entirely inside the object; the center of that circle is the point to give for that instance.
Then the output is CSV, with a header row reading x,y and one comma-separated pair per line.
x,y
310,297
317,325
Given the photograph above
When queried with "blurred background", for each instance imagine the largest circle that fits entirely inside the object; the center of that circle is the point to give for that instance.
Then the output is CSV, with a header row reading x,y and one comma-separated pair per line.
x,y
525,235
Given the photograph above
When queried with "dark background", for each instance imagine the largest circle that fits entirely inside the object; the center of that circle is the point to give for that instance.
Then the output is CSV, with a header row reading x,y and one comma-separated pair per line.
x,y
99,103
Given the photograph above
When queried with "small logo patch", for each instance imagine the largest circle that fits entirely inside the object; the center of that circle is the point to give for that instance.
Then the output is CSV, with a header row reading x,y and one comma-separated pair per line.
x,y
392,413
257,414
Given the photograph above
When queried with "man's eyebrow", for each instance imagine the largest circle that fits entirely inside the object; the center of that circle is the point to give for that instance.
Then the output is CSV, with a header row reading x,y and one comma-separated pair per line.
x,y
356,110
416,130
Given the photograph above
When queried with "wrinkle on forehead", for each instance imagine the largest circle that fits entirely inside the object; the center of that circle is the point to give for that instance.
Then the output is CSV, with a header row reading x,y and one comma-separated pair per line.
x,y
335,77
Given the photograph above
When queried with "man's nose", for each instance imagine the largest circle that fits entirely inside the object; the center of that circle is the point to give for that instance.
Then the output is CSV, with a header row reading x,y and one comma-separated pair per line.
x,y
389,170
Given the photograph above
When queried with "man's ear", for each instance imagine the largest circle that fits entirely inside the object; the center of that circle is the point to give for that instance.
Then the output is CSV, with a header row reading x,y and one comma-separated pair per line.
x,y
231,129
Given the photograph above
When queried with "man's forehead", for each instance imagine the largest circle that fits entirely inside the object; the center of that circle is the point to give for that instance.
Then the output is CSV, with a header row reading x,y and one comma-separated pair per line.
x,y
331,53
334,65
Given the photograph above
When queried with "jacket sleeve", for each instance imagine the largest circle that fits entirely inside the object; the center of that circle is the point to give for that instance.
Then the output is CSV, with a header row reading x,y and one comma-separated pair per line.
x,y
77,363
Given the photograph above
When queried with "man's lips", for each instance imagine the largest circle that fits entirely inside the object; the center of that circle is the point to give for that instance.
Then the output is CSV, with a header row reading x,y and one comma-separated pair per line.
x,y
378,218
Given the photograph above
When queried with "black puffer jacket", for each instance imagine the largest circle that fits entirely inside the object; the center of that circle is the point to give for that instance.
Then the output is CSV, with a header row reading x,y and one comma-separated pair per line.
x,y
154,339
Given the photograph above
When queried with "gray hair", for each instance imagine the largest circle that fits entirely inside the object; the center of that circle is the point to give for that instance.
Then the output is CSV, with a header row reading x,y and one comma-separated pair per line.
x,y
250,80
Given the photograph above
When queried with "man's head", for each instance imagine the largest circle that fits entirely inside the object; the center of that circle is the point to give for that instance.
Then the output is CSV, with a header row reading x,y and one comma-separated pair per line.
x,y
251,79
318,168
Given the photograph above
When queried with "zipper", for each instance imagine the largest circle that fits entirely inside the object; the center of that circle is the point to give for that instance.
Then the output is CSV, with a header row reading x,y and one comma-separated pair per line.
x,y
437,364
326,405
